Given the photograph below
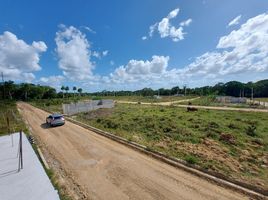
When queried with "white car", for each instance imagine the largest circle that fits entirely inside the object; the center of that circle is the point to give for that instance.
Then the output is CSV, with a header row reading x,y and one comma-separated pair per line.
x,y
55,120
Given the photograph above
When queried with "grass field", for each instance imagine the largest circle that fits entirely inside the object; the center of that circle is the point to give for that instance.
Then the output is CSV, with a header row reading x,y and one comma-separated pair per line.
x,y
9,110
55,105
232,143
146,99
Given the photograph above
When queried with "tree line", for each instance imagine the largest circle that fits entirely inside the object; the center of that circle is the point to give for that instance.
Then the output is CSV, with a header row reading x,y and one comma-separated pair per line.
x,y
232,88
28,91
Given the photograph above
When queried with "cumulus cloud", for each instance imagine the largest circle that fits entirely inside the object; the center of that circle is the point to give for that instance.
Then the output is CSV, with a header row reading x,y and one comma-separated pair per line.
x,y
166,29
55,81
243,51
235,21
18,60
241,55
73,50
135,70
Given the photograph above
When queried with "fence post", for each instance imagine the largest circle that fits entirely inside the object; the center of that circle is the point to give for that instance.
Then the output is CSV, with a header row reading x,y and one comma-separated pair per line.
x,y
20,152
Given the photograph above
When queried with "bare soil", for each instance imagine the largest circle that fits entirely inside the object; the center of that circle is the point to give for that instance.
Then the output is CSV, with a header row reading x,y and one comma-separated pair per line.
x,y
91,166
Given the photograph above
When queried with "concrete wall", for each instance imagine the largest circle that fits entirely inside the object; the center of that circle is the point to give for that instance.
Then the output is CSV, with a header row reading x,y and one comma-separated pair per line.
x,y
265,104
228,99
85,106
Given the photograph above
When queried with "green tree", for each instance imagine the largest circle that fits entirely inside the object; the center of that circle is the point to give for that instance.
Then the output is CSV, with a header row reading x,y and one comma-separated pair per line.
x,y
80,91
67,89
74,89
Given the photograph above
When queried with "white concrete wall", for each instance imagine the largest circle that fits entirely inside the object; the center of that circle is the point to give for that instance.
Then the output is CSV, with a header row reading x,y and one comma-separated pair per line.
x,y
74,108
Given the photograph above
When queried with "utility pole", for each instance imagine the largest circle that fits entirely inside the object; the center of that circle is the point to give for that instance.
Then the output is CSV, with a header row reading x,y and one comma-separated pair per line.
x,y
252,94
2,75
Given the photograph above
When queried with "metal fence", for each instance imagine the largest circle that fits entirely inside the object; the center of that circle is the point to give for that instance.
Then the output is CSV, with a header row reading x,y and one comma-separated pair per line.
x,y
85,106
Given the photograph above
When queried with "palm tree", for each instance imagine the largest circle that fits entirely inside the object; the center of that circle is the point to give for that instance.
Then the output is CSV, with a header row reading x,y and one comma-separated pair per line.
x,y
62,88
74,89
67,89
80,91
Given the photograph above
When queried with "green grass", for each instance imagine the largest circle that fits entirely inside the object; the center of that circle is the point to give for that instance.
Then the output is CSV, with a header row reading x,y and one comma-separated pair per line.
x,y
146,99
9,112
55,105
229,142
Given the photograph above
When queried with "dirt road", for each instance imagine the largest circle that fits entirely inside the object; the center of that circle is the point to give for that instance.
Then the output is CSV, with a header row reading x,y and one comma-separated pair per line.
x,y
108,170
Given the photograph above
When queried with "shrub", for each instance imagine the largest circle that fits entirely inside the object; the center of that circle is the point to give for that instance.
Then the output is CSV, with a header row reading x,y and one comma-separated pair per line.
x,y
232,126
191,159
251,130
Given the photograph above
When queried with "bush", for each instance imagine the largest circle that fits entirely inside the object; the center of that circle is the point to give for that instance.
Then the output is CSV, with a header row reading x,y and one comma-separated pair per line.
x,y
251,130
191,159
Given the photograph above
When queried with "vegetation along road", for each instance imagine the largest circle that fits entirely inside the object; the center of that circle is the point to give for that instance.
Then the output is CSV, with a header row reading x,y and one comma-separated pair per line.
x,y
105,169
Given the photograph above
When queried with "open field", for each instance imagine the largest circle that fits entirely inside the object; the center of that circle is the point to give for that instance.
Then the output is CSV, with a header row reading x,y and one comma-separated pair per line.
x,y
55,105
9,110
210,101
101,168
146,99
229,142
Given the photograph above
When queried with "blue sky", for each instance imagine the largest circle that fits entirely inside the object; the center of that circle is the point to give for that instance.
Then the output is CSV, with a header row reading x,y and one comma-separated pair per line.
x,y
101,44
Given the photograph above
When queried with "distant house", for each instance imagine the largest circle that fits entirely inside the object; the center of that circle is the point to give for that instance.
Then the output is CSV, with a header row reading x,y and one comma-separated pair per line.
x,y
229,99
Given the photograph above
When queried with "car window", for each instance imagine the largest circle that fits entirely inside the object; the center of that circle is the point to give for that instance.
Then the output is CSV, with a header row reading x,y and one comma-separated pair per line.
x,y
58,117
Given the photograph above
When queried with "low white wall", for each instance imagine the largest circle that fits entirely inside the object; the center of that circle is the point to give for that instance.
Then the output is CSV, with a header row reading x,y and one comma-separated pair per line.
x,y
85,106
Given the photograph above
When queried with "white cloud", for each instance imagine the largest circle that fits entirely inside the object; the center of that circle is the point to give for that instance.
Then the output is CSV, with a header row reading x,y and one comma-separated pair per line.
x,y
99,55
152,28
96,54
186,22
18,60
144,38
54,81
241,55
73,50
173,13
136,70
166,29
89,29
112,62
105,53
242,52
235,21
